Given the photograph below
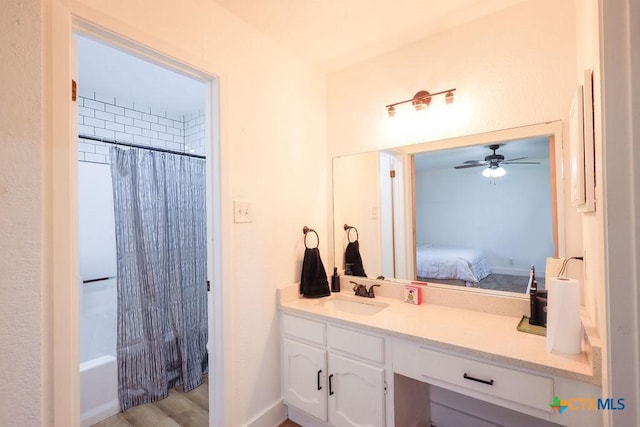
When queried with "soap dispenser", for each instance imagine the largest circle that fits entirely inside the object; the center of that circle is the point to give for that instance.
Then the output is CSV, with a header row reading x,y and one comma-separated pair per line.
x,y
335,281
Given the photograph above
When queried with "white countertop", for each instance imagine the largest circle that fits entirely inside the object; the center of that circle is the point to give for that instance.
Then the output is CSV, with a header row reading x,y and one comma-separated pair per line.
x,y
491,337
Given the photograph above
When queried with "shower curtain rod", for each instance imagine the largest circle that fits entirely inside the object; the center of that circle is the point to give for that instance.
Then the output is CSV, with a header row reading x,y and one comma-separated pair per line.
x,y
144,147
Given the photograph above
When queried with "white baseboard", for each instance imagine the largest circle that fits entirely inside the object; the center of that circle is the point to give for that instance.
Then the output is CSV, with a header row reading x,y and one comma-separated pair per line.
x,y
272,416
304,419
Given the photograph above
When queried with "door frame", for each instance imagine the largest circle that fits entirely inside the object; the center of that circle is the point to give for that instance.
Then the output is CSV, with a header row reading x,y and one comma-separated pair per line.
x,y
61,158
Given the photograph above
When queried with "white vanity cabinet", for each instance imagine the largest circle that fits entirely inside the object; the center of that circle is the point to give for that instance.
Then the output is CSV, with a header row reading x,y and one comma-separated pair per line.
x,y
523,391
333,375
304,378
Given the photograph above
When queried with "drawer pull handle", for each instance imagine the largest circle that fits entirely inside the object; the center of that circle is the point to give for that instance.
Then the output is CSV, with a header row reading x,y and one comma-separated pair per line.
x,y
468,377
319,386
330,389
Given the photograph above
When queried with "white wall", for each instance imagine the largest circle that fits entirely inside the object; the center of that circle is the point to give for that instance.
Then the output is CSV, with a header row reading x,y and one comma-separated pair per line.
x,y
96,222
512,68
507,217
274,143
357,199
24,305
97,259
588,57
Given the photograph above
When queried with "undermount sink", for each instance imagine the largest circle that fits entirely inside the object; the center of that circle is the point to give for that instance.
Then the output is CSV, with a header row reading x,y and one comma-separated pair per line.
x,y
354,305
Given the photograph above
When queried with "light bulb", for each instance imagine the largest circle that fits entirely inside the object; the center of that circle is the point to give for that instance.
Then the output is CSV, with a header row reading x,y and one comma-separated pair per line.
x,y
490,172
498,172
391,111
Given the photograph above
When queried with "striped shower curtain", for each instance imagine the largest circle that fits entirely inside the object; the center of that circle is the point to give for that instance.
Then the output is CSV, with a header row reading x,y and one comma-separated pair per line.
x,y
160,218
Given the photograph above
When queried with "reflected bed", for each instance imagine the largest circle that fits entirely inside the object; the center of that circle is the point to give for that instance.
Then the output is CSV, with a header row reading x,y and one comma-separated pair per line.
x,y
446,263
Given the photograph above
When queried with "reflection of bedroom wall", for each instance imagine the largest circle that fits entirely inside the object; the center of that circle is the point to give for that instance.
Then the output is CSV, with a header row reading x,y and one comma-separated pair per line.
x,y
357,204
508,217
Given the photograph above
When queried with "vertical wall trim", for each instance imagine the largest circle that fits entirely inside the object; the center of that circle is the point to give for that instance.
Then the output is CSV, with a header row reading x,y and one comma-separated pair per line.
x,y
65,298
620,59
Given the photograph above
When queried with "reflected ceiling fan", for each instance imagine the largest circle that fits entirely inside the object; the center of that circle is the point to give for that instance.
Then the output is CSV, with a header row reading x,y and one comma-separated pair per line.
x,y
493,163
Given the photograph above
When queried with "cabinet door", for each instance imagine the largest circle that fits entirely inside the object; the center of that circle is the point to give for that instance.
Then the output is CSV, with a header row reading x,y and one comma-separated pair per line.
x,y
305,377
356,393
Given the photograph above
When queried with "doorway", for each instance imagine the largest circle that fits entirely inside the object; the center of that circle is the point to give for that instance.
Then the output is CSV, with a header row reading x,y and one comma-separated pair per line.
x,y
136,102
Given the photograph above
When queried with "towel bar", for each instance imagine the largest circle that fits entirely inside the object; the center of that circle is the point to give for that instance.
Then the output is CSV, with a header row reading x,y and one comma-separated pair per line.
x,y
348,228
306,230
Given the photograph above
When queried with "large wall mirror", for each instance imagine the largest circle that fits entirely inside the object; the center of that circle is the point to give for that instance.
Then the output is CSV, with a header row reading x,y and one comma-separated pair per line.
x,y
474,212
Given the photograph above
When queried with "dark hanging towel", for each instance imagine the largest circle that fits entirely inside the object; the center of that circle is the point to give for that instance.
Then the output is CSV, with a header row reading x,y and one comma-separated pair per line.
x,y
352,256
313,282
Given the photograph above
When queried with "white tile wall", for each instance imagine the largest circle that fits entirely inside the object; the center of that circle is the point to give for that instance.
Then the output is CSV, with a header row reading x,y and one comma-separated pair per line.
x,y
129,122
194,133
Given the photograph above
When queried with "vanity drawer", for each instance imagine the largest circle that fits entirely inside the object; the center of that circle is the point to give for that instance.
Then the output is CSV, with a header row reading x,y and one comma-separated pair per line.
x,y
305,329
369,347
509,384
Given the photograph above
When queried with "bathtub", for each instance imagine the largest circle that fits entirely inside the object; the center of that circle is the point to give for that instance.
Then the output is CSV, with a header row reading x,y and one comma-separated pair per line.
x,y
98,365
98,390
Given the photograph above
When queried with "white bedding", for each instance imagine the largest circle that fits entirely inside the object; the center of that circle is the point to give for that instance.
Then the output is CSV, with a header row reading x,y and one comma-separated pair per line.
x,y
469,265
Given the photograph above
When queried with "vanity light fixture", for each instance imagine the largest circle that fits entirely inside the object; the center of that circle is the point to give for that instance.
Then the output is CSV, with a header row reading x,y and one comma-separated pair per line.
x,y
494,172
421,100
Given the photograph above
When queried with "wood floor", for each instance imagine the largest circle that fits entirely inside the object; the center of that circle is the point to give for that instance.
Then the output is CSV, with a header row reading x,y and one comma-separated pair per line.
x,y
180,409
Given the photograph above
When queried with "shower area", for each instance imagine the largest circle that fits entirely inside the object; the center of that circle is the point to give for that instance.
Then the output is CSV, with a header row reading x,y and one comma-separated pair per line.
x,y
142,147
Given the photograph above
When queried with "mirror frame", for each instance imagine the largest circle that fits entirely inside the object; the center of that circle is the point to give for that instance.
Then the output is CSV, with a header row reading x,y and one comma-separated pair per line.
x,y
552,129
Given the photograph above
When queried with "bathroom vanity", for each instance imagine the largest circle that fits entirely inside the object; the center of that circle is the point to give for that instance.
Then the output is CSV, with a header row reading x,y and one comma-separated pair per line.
x,y
355,361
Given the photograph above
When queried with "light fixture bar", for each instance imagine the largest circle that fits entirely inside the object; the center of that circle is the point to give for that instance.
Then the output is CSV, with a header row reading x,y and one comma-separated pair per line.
x,y
425,97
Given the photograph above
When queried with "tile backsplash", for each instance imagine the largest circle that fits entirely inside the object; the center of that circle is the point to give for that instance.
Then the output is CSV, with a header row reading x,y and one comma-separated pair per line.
x,y
122,121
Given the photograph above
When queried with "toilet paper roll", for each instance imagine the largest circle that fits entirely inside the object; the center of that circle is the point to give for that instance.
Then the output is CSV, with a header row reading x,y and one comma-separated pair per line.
x,y
564,328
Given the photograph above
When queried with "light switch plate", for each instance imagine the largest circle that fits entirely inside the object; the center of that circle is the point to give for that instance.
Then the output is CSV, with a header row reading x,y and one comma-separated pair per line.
x,y
242,211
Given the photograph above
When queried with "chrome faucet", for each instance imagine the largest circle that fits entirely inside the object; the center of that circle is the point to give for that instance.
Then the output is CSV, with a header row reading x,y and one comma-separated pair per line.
x,y
361,290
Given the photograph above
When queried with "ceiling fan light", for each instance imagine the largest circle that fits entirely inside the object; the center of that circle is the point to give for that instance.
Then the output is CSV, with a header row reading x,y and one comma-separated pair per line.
x,y
494,172
498,172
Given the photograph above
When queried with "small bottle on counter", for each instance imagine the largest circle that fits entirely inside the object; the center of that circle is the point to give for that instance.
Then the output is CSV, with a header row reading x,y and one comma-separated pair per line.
x,y
533,312
335,281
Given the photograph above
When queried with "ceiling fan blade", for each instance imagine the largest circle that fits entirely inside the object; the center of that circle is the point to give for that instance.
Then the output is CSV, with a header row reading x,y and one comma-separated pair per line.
x,y
469,166
480,162
520,163
519,158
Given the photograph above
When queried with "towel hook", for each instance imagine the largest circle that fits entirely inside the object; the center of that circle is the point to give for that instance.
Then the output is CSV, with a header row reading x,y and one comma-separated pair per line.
x,y
306,230
348,228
